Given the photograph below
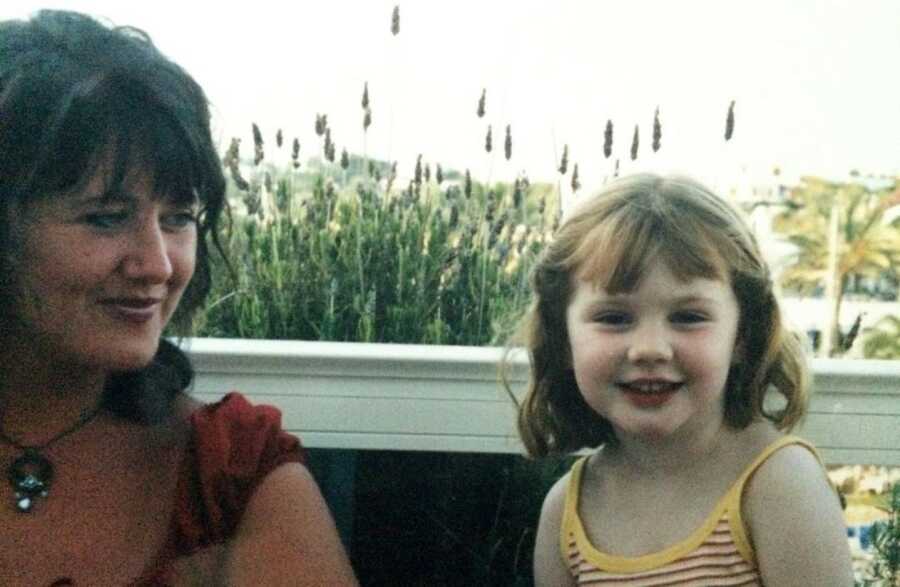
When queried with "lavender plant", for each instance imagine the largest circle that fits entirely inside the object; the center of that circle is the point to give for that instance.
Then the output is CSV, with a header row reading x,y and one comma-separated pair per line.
x,y
335,255
729,122
635,141
657,130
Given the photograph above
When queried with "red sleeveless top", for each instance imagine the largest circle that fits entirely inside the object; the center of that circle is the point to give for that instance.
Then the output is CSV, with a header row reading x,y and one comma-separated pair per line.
x,y
232,447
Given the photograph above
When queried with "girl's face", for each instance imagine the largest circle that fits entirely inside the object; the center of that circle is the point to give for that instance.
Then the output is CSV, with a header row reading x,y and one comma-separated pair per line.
x,y
654,361
100,274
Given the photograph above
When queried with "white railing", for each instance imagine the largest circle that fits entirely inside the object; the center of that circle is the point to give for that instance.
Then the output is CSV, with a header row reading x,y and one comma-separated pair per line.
x,y
447,398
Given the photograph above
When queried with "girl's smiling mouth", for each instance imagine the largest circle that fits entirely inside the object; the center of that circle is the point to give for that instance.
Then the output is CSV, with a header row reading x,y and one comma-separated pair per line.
x,y
649,393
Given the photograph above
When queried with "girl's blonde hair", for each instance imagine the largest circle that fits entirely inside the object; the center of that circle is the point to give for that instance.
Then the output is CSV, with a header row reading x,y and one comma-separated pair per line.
x,y
610,240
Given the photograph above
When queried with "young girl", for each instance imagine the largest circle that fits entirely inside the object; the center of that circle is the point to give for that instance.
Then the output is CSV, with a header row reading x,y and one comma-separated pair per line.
x,y
654,339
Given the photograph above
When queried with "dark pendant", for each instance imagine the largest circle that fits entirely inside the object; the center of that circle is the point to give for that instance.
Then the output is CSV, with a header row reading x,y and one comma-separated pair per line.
x,y
30,476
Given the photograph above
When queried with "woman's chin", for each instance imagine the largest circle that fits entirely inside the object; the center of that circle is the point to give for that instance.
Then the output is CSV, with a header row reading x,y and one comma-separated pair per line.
x,y
128,359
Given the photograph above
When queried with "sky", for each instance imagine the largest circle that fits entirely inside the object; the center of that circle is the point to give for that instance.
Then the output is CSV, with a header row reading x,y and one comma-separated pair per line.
x,y
814,81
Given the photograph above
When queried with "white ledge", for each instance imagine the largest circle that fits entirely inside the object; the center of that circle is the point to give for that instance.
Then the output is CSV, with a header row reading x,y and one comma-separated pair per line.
x,y
447,398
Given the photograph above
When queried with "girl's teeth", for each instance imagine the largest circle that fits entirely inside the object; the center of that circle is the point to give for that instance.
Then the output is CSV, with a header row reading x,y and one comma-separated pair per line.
x,y
653,387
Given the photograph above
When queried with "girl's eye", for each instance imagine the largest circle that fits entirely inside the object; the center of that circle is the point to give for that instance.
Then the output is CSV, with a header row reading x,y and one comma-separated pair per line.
x,y
106,220
688,317
616,319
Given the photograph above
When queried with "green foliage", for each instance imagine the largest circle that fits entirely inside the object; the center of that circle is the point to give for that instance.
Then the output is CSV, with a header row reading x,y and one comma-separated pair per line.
x,y
882,341
885,568
333,255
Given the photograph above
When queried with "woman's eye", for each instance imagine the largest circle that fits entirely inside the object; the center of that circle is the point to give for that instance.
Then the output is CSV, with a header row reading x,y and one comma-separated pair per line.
x,y
106,220
181,219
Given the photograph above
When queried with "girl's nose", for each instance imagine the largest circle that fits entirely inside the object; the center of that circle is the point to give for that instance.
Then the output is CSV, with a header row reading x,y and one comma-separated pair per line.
x,y
650,344
147,256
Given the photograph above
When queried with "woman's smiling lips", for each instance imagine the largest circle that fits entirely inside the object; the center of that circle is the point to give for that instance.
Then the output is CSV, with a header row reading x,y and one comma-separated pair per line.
x,y
136,310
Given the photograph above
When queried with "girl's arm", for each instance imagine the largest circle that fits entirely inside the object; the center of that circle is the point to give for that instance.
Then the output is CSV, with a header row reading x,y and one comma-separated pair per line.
x,y
287,537
550,569
796,524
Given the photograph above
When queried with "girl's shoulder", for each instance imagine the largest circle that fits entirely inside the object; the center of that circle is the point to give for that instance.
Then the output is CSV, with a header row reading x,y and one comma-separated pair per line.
x,y
564,490
556,496
773,457
793,514
549,566
788,467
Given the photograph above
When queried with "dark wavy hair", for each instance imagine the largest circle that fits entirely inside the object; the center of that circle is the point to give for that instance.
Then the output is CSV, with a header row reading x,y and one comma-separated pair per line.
x,y
72,91
610,240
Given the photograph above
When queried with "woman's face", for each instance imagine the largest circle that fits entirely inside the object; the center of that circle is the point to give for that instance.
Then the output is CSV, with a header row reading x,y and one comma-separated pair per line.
x,y
100,273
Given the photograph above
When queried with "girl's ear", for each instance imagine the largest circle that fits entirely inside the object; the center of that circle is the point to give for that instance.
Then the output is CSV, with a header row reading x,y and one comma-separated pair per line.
x,y
738,352
568,352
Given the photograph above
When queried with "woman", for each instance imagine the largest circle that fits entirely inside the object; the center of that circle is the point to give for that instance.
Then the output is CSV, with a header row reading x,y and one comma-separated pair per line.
x,y
110,193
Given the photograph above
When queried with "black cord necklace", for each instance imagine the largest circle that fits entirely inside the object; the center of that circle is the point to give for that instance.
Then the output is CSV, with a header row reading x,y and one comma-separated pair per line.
x,y
32,473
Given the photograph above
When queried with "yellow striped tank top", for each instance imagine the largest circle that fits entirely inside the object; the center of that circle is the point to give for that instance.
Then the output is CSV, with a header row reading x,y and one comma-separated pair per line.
x,y
718,553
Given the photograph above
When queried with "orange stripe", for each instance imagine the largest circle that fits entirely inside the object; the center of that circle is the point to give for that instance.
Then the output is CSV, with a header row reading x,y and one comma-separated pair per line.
x,y
709,548
717,557
682,570
696,580
667,574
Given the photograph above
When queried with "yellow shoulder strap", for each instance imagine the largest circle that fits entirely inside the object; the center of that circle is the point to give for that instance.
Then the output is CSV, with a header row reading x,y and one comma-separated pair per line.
x,y
570,509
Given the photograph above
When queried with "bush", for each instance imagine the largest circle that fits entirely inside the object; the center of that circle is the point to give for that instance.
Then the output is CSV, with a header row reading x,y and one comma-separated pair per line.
x,y
348,258
885,568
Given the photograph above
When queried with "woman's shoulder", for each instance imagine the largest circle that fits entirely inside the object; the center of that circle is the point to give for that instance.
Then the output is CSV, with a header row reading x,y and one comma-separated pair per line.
x,y
257,496
232,446
231,406
239,437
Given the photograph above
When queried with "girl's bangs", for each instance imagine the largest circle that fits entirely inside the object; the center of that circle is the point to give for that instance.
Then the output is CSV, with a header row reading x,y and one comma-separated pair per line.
x,y
615,254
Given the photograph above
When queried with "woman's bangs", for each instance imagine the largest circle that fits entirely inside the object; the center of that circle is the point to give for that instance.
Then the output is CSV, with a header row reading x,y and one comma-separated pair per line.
x,y
109,125
175,165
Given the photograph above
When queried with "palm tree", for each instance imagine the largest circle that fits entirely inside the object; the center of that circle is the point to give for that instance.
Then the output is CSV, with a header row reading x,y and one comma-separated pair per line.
x,y
882,341
839,230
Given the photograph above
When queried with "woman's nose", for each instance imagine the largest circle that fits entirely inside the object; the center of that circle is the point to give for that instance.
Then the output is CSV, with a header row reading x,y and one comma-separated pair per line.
x,y
147,256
